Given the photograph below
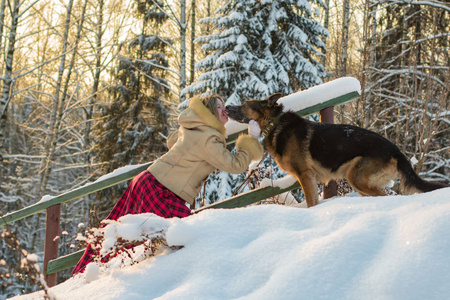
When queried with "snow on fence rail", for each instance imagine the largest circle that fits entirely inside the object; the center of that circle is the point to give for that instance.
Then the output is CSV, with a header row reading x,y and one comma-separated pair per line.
x,y
111,179
333,93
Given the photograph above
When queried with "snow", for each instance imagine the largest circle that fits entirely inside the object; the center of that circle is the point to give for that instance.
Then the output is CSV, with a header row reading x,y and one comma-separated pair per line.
x,y
46,198
282,183
321,93
115,173
392,247
307,98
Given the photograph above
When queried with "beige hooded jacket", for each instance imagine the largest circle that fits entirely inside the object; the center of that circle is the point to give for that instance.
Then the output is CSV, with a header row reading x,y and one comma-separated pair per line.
x,y
199,150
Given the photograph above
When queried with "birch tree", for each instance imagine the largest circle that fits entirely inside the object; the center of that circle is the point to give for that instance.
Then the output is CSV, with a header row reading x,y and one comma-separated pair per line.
x,y
58,104
7,76
97,70
182,25
193,21
345,31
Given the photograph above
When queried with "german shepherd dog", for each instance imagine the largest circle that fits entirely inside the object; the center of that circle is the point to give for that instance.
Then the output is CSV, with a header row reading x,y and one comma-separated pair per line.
x,y
319,152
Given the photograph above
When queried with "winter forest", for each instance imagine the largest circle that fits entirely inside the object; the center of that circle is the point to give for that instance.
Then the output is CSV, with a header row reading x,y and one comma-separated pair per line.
x,y
89,86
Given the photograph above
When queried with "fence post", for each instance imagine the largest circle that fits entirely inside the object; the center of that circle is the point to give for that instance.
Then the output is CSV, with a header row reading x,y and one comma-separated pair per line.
x,y
327,116
51,242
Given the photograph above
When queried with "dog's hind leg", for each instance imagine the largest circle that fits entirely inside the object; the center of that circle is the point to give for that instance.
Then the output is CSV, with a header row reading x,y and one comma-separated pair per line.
x,y
365,190
308,182
362,177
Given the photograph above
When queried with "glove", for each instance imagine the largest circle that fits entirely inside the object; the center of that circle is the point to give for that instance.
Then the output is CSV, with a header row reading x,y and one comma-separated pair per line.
x,y
253,129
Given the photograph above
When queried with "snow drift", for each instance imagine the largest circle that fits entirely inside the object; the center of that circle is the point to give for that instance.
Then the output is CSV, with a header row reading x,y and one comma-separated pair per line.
x,y
393,247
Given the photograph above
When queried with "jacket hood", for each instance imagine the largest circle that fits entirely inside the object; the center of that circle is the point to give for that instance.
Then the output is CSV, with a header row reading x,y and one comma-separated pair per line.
x,y
197,115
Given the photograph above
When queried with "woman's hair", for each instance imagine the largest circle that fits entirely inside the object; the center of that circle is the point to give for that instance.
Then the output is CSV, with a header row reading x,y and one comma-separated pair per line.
x,y
211,103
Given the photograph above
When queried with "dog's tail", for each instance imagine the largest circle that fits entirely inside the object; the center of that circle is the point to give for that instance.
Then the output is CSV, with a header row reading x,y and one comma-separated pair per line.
x,y
411,183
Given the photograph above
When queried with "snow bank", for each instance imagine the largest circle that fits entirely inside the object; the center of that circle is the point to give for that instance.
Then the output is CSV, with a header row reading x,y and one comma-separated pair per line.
x,y
393,247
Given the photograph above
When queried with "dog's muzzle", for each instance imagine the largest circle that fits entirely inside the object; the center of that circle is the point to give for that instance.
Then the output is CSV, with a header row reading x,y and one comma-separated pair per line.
x,y
234,112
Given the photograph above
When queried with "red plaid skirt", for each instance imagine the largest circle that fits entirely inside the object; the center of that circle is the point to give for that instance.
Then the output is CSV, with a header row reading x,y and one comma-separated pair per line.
x,y
144,195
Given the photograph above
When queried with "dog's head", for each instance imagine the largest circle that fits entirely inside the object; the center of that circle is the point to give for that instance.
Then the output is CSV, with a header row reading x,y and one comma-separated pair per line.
x,y
262,111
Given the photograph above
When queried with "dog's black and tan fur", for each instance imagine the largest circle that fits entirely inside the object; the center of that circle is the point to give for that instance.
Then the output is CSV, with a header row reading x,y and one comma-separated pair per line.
x,y
318,152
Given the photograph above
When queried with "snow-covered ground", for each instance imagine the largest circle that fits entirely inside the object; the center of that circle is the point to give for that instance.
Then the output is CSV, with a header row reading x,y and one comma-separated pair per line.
x,y
393,247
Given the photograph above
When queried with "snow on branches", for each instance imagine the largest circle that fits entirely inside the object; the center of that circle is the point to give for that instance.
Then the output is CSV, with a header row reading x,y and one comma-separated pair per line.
x,y
259,48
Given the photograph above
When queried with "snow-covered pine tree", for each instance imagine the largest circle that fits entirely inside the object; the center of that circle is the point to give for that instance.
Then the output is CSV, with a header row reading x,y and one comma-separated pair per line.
x,y
258,48
136,121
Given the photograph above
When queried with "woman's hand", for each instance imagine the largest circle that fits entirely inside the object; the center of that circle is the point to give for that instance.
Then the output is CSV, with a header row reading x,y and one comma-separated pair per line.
x,y
253,129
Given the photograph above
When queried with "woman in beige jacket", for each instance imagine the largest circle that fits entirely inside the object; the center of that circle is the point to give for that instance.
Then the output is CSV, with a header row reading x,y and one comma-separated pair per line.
x,y
175,179
200,149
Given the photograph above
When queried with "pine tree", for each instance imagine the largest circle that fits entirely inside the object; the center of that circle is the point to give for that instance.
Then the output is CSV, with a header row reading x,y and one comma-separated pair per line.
x,y
136,121
137,116
259,48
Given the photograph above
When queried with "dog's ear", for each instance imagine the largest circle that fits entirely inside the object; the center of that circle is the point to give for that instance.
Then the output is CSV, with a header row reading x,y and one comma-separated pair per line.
x,y
273,99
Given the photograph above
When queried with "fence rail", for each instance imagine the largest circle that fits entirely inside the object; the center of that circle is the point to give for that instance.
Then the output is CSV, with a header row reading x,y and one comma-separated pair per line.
x,y
72,195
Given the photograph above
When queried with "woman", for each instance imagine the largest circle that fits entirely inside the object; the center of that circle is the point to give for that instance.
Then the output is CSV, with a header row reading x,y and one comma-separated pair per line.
x,y
175,179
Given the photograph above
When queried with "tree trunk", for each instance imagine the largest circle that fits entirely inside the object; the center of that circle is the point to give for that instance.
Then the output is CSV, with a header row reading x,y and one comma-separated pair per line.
x,y
93,98
326,22
182,48
371,59
345,29
2,19
45,167
191,80
7,77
